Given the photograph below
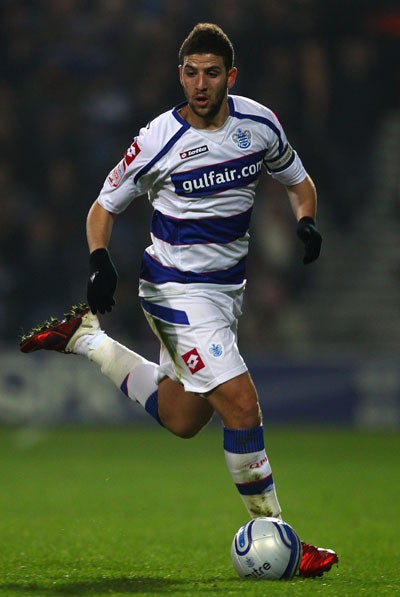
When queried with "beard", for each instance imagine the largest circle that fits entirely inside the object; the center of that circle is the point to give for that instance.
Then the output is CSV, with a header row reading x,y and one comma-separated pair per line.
x,y
213,107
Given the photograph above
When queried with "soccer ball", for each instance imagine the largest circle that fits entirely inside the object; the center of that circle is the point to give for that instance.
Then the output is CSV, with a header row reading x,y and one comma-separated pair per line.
x,y
266,548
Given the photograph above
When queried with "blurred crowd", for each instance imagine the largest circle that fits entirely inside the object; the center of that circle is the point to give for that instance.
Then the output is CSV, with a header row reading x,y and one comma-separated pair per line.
x,y
80,77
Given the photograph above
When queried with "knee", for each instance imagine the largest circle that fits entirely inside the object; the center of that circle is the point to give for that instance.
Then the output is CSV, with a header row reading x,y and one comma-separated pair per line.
x,y
182,424
245,414
182,413
186,433
181,428
241,412
236,402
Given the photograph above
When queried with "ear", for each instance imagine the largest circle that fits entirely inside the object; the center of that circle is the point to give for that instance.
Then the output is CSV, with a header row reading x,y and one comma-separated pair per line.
x,y
180,73
232,74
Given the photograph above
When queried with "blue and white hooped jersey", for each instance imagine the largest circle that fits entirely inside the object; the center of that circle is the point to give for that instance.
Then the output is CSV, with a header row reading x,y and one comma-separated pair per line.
x,y
201,185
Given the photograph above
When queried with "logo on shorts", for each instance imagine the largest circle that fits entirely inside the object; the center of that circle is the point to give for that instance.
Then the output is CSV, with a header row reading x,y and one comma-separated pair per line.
x,y
216,350
193,360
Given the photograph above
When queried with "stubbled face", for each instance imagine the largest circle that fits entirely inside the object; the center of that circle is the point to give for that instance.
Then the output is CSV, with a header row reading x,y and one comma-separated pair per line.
x,y
205,82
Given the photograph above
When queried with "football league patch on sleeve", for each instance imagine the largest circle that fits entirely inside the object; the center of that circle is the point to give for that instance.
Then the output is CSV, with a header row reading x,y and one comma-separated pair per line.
x,y
115,176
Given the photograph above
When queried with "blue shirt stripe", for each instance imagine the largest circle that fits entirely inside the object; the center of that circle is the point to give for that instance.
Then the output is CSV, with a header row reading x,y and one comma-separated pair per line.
x,y
216,178
156,273
189,231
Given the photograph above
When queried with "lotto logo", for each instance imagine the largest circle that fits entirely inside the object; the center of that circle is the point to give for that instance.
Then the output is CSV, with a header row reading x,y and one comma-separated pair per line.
x,y
191,152
132,152
193,360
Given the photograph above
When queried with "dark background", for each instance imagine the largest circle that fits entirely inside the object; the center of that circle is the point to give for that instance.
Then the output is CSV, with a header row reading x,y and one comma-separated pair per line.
x,y
79,78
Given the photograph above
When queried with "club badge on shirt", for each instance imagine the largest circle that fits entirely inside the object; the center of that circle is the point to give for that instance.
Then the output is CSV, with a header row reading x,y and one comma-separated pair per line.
x,y
242,138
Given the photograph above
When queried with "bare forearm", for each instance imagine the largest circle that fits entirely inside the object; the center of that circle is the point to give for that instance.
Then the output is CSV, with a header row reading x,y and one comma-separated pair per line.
x,y
303,199
99,226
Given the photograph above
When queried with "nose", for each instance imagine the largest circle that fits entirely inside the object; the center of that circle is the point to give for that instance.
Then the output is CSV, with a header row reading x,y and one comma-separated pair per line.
x,y
201,83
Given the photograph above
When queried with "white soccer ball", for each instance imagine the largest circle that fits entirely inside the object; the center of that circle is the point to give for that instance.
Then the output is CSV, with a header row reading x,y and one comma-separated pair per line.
x,y
266,548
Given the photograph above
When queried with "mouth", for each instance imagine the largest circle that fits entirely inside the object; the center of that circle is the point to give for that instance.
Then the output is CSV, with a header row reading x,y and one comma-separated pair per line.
x,y
201,101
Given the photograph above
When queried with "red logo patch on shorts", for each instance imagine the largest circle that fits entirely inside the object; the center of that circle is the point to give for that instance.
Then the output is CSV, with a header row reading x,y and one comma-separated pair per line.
x,y
193,360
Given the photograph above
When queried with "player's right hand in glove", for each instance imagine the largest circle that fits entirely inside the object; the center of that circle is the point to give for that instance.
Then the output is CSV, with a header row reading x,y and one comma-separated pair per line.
x,y
102,282
309,234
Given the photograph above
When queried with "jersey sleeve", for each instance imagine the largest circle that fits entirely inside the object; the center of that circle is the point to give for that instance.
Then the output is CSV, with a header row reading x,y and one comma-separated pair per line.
x,y
124,183
281,160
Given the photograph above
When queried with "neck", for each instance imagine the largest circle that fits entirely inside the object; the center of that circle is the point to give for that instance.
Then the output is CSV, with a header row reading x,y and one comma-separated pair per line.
x,y
201,122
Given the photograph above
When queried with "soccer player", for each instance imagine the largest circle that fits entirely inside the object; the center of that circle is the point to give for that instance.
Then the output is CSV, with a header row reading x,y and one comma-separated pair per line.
x,y
199,163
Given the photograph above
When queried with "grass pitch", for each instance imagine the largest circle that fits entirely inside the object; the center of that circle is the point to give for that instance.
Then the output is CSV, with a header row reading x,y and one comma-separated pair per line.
x,y
139,512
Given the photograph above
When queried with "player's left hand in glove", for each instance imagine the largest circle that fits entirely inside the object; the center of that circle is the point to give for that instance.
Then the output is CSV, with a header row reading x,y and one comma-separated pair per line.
x,y
102,282
309,234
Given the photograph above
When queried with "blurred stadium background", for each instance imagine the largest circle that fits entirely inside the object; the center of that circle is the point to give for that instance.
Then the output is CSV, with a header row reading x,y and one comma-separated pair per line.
x,y
78,80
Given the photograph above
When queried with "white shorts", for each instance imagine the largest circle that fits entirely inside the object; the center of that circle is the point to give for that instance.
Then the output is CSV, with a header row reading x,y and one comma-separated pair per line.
x,y
198,335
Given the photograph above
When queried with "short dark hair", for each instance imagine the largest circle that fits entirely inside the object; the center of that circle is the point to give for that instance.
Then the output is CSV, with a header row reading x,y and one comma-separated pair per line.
x,y
208,38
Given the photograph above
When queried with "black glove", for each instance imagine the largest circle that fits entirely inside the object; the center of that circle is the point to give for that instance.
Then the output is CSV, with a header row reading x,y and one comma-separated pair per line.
x,y
312,239
102,281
